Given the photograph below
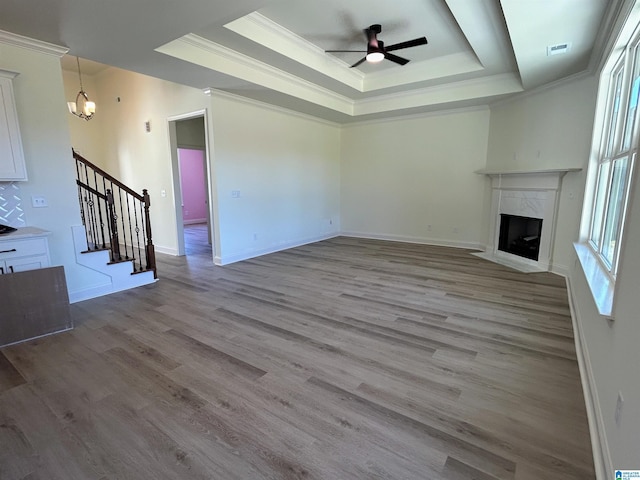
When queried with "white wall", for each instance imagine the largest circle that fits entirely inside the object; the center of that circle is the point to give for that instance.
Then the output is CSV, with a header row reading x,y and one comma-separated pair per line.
x,y
413,179
612,348
558,123
544,130
287,170
42,114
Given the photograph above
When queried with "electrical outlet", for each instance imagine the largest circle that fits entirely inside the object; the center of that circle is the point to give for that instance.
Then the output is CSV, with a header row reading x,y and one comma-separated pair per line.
x,y
235,193
255,236
456,230
428,228
39,202
619,405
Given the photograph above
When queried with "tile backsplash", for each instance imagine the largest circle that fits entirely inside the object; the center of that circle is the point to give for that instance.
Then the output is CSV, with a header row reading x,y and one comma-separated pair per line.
x,y
11,212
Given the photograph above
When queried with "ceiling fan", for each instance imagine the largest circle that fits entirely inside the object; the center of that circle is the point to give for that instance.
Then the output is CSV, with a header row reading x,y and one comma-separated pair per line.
x,y
376,51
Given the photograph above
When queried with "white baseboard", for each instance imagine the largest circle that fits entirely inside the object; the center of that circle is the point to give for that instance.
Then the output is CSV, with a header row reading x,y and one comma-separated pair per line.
x,y
194,221
238,257
166,250
561,270
410,239
599,445
92,292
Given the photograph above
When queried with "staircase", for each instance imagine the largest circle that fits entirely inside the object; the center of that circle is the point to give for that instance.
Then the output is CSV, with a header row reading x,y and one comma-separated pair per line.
x,y
115,236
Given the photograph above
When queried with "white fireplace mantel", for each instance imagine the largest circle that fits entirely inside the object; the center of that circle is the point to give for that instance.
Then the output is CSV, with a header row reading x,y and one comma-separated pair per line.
x,y
558,171
527,193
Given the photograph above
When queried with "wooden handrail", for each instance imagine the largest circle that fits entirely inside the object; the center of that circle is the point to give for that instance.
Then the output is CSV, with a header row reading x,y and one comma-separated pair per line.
x,y
109,177
92,190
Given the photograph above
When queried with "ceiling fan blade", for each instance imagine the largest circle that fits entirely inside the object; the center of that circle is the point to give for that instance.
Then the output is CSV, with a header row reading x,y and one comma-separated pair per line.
x,y
345,51
408,44
395,58
358,62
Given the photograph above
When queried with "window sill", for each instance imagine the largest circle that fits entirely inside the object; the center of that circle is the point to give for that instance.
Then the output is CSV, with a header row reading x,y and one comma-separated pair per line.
x,y
599,281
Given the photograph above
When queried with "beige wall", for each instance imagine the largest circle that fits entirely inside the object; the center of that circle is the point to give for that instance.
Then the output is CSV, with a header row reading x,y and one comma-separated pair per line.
x,y
86,136
141,159
288,174
413,179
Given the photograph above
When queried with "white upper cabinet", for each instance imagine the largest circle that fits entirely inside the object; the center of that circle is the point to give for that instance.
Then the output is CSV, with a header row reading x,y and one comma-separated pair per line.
x,y
12,166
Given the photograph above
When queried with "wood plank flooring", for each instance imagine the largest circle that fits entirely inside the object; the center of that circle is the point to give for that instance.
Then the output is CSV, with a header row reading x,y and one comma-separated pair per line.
x,y
344,359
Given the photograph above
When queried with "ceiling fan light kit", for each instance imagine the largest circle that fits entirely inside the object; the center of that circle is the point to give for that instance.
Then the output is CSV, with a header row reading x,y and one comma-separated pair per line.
x,y
376,51
375,57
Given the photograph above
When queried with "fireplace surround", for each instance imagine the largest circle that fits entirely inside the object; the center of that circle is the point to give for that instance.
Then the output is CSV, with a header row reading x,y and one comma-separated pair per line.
x,y
532,195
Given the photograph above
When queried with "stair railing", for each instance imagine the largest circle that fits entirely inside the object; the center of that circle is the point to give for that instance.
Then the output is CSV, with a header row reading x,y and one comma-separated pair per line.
x,y
116,218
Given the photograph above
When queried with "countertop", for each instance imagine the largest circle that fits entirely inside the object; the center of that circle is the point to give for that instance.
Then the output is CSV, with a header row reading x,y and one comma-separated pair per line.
x,y
25,232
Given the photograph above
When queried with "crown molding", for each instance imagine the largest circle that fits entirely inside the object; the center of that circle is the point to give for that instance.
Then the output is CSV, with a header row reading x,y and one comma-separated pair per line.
x,y
476,88
609,31
198,50
214,92
269,34
272,35
39,46
543,88
217,57
417,116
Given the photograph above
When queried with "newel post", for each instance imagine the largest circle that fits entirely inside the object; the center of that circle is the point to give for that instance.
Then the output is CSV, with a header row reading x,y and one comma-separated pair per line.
x,y
149,250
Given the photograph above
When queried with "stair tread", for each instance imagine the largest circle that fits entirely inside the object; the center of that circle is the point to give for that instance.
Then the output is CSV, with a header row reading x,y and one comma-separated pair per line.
x,y
122,260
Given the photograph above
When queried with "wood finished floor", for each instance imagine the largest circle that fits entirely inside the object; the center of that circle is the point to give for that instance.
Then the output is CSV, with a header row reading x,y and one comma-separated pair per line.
x,y
344,359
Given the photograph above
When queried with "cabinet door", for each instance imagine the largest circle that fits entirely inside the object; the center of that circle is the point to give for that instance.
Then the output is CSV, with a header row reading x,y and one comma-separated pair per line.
x,y
12,165
26,263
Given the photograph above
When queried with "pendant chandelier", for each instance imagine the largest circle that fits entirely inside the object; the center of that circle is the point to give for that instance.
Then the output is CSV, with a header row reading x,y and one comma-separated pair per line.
x,y
82,107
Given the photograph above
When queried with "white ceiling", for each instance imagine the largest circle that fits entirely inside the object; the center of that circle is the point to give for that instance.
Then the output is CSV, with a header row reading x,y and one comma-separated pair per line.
x,y
273,51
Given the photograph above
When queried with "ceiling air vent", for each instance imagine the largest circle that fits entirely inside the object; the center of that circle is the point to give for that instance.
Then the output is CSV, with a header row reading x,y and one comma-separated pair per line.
x,y
558,49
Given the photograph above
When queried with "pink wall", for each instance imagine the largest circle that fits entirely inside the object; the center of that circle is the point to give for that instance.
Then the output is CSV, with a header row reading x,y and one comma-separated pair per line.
x,y
192,183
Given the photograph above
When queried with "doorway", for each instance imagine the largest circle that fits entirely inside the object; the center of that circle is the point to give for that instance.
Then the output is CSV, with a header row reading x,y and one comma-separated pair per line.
x,y
191,181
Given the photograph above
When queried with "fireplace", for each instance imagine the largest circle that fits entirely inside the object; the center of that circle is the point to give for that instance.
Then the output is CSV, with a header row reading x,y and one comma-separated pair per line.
x,y
521,202
520,235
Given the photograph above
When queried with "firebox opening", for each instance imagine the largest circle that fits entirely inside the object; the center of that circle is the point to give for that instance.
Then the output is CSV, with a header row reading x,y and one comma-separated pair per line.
x,y
520,236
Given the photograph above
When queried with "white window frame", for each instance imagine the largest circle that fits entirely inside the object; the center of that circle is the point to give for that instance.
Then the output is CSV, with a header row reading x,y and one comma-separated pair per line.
x,y
612,150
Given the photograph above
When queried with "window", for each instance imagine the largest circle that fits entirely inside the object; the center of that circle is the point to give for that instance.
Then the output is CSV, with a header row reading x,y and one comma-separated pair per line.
x,y
616,157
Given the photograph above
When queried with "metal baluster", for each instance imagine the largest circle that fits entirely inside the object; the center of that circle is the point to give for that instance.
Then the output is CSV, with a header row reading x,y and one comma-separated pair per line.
x,y
130,231
93,221
84,220
124,231
113,220
87,227
107,214
95,182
